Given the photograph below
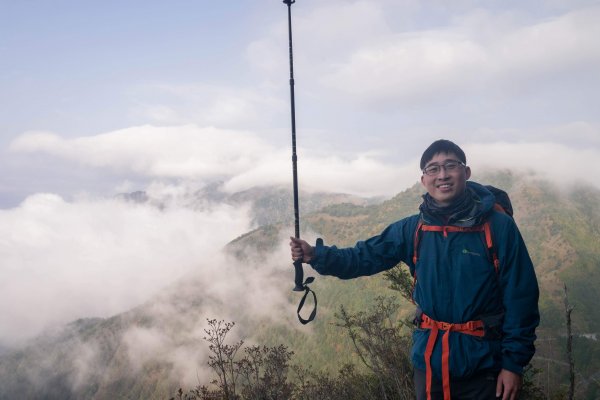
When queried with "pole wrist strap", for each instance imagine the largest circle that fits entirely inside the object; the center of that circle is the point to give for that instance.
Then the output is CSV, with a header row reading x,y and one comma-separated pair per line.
x,y
307,290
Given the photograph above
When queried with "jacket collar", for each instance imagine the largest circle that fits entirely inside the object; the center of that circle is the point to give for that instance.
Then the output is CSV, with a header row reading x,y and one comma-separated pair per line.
x,y
468,210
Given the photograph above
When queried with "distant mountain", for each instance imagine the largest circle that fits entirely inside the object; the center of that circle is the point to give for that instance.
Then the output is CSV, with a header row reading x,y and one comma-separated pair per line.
x,y
142,354
269,204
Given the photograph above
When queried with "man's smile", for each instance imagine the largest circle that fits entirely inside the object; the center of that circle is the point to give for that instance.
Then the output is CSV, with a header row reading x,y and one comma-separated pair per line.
x,y
444,186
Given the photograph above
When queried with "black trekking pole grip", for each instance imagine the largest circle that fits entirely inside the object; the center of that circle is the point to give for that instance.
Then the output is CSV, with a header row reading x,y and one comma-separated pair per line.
x,y
298,276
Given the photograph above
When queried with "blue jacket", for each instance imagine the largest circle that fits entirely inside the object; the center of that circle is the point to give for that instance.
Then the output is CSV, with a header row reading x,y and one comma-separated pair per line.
x,y
456,283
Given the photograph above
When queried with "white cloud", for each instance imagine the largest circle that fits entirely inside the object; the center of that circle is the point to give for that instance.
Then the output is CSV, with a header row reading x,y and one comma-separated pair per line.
x,y
408,67
172,328
182,151
205,104
64,260
480,53
361,174
553,45
138,340
242,159
254,290
558,163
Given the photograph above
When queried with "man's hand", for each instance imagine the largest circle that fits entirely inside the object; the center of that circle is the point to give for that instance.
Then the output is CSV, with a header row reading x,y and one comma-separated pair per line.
x,y
508,385
301,250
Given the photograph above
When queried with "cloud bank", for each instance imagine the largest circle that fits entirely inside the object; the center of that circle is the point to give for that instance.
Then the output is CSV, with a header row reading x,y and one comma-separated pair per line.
x,y
95,258
62,259
242,159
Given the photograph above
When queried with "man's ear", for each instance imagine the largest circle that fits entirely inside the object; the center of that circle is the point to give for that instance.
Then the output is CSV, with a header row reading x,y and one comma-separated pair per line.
x,y
423,180
468,172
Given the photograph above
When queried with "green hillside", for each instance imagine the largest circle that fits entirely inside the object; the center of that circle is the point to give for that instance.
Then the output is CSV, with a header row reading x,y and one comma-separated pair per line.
x,y
561,230
560,227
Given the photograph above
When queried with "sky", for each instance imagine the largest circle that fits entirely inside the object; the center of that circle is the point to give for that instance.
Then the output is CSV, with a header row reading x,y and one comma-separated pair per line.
x,y
102,98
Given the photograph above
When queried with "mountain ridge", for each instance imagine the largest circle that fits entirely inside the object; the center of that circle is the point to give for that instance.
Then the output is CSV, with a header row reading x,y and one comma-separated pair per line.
x,y
560,228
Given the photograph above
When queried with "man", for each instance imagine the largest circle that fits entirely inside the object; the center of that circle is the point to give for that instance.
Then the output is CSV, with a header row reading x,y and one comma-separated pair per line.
x,y
476,292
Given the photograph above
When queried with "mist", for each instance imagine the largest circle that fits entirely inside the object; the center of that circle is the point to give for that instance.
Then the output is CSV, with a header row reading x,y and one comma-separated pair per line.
x,y
98,257
92,256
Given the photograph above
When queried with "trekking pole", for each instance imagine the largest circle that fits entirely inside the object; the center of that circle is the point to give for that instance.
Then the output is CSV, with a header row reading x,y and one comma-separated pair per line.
x,y
299,284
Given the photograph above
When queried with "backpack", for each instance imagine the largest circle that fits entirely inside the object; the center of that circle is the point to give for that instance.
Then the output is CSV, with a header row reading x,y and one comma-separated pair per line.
x,y
502,203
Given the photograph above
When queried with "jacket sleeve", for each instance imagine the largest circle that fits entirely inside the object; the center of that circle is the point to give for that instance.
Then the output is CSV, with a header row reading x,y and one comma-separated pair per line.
x,y
367,257
520,294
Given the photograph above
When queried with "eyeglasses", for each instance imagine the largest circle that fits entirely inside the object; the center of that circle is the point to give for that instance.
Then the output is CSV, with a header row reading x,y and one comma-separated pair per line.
x,y
449,166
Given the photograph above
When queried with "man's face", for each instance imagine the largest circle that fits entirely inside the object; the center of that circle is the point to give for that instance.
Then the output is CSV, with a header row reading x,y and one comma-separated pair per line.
x,y
446,186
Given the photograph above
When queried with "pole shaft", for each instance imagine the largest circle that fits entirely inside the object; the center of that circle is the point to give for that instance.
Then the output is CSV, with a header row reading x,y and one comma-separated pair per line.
x,y
293,116
298,270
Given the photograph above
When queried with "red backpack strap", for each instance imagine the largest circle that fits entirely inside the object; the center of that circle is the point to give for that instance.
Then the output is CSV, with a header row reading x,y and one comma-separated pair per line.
x,y
415,258
498,207
450,228
439,228
416,242
487,229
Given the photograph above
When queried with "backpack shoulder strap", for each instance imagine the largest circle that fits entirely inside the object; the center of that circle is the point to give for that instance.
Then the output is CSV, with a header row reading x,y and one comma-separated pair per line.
x,y
485,228
416,241
489,242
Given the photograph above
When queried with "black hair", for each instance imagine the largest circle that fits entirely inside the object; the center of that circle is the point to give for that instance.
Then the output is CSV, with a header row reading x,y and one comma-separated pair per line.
x,y
442,146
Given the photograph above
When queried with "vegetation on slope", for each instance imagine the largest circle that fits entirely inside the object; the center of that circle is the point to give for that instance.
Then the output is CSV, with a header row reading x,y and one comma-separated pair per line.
x,y
561,230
